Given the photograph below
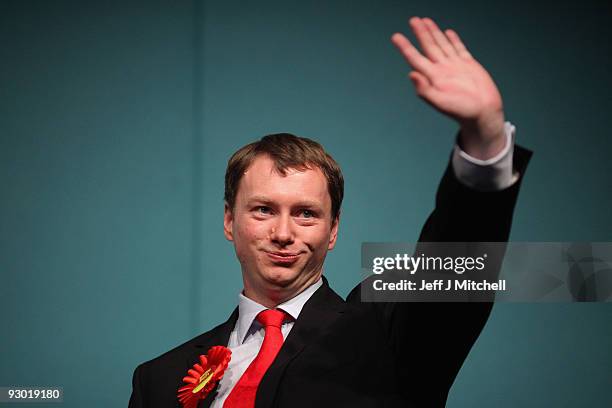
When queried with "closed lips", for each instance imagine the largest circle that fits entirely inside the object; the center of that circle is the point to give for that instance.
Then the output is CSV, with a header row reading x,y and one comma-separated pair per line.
x,y
283,256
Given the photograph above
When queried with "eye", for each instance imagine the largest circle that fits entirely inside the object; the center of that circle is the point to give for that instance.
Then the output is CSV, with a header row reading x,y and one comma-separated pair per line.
x,y
307,214
264,210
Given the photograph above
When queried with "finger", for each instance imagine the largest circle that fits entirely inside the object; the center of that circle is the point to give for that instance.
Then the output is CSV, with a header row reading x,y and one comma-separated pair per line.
x,y
420,82
458,44
426,40
425,89
440,38
416,60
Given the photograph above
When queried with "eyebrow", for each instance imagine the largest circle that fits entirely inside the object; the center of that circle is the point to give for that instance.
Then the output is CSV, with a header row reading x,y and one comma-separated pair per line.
x,y
302,203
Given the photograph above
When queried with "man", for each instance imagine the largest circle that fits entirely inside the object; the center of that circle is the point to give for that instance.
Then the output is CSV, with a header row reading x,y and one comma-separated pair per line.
x,y
282,212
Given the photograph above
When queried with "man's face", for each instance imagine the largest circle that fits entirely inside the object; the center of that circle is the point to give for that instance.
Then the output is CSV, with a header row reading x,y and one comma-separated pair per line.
x,y
281,227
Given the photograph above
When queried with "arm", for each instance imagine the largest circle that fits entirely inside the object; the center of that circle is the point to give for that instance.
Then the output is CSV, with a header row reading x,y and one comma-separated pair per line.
x,y
431,340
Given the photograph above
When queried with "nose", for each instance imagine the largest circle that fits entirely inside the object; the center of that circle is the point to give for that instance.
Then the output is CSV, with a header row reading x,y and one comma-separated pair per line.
x,y
282,231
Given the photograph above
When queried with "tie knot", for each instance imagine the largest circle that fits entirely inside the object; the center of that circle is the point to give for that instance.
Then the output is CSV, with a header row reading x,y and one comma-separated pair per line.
x,y
271,317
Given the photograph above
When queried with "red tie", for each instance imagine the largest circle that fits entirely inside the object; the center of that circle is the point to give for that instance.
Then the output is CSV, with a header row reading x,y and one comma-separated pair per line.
x,y
243,393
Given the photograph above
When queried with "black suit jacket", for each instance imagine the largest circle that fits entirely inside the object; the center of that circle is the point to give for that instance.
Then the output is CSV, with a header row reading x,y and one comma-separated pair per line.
x,y
351,354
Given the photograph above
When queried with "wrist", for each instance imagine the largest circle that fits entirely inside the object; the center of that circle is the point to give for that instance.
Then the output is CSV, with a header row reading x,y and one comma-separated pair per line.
x,y
483,138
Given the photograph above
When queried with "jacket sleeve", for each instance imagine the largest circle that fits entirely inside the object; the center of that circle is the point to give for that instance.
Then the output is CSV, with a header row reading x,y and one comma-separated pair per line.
x,y
431,340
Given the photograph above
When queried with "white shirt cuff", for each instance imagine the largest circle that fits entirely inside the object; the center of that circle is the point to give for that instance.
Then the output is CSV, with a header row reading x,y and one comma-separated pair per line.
x,y
487,175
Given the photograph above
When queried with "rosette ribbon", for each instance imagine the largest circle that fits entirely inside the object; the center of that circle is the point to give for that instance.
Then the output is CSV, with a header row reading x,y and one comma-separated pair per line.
x,y
202,378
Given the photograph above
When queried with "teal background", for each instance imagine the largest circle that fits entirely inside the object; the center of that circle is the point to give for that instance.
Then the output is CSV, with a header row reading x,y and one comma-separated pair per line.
x,y
116,121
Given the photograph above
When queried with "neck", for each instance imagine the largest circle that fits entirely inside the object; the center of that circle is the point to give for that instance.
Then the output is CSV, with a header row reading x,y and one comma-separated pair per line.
x,y
272,296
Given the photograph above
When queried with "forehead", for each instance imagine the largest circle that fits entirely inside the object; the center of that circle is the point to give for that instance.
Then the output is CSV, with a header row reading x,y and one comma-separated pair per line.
x,y
262,180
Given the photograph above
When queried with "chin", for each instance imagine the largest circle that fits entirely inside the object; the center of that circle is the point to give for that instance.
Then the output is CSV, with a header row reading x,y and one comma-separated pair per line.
x,y
279,276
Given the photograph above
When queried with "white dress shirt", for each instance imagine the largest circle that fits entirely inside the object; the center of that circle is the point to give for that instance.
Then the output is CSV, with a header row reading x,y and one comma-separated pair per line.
x,y
248,334
487,175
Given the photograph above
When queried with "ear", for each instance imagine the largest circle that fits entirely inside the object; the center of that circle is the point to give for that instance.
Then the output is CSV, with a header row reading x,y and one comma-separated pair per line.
x,y
333,236
228,222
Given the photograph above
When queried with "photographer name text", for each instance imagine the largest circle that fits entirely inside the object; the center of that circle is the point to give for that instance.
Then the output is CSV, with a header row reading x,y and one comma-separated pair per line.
x,y
440,285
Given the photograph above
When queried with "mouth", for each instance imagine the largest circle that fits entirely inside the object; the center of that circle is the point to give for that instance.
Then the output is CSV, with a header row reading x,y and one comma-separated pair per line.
x,y
283,258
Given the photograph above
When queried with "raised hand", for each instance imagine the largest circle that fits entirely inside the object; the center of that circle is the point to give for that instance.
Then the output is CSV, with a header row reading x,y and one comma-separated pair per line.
x,y
452,81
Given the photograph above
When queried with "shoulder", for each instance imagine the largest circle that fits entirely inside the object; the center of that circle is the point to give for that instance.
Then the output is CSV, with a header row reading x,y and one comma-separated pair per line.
x,y
155,382
197,345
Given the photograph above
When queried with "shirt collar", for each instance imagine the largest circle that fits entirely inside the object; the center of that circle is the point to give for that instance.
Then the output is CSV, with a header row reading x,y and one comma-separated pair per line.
x,y
248,309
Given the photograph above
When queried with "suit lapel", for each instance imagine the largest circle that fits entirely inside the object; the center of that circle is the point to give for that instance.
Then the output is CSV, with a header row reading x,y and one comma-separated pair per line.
x,y
219,336
317,315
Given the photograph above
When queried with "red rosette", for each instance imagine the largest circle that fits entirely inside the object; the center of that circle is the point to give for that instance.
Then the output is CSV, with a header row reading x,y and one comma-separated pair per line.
x,y
203,377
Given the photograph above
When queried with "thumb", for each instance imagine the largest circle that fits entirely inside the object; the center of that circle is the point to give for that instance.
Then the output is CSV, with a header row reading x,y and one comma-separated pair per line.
x,y
420,82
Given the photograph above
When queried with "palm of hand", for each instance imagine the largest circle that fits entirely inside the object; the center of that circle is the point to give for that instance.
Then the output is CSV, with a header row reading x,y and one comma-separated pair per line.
x,y
463,90
448,77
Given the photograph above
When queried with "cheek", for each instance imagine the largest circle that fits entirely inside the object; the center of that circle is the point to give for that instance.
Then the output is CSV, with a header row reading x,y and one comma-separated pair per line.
x,y
317,239
249,235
